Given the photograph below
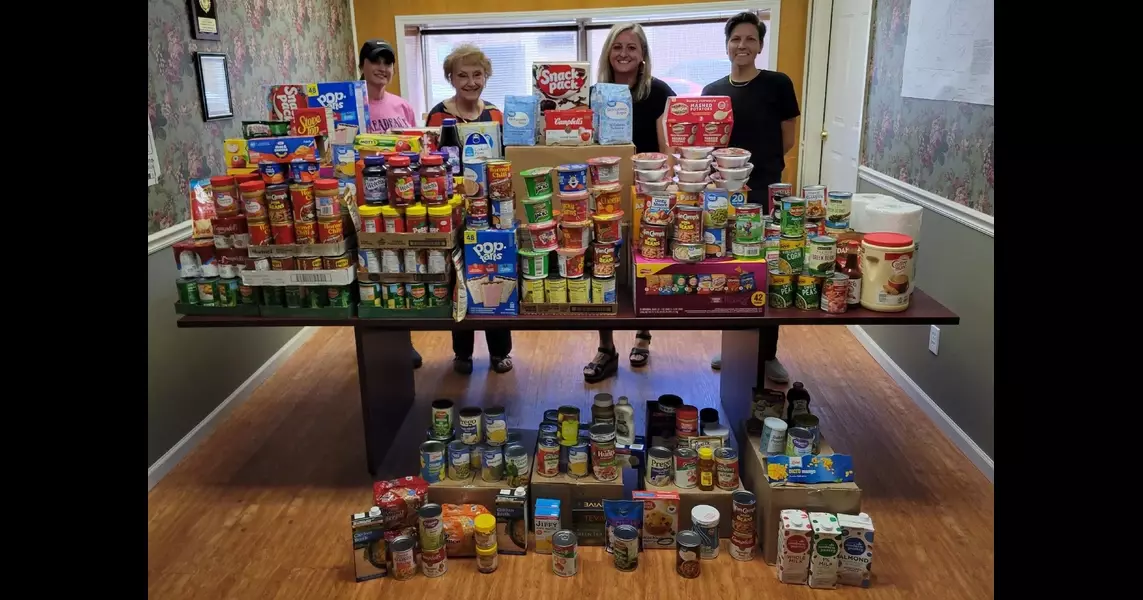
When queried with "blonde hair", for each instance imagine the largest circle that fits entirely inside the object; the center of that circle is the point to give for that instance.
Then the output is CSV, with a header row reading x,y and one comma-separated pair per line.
x,y
642,85
466,54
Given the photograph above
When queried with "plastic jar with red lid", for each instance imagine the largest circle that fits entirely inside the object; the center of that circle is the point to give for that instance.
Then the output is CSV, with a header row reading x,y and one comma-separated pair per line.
x,y
253,195
224,190
400,181
326,203
434,185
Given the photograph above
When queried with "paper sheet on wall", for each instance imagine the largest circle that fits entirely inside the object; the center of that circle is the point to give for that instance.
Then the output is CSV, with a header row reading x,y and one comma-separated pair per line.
x,y
949,51
152,158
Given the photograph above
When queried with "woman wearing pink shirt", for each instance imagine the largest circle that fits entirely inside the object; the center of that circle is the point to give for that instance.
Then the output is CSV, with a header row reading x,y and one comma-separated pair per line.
x,y
386,109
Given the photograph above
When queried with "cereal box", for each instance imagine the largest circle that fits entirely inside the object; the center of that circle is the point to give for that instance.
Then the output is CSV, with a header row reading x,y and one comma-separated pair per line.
x,y
490,271
660,518
348,100
284,99
699,121
611,113
237,155
547,523
311,121
283,149
827,544
561,86
568,127
794,532
855,561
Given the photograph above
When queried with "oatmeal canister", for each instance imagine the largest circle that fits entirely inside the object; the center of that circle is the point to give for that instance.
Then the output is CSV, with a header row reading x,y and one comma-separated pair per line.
x,y
686,468
565,553
469,422
659,461
687,563
433,461
459,461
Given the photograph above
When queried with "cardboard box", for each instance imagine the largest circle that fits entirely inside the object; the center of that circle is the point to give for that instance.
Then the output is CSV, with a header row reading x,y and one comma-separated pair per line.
x,y
512,520
774,497
568,127
283,149
669,288
369,547
561,85
312,121
699,121
547,523
571,491
660,518
428,241
284,99
347,100
374,144
530,157
287,250
344,276
692,497
490,271
236,153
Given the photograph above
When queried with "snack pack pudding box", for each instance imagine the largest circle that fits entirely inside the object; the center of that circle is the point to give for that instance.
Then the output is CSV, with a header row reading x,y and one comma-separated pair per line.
x,y
490,274
711,288
347,100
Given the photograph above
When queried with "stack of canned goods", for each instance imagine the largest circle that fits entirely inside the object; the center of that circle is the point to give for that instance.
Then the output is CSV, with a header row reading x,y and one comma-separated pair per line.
x,y
434,562
563,447
680,466
404,296
479,443
743,538
801,246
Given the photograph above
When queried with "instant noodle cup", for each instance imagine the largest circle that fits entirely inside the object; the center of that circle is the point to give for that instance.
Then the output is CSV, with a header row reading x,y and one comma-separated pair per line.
x,y
543,236
571,261
575,235
533,263
603,259
573,207
272,173
572,178
603,169
607,227
538,181
538,209
607,198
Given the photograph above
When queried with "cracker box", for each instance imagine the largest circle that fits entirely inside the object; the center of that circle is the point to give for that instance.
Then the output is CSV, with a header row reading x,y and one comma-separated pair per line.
x,y
237,154
794,532
283,149
284,99
699,121
561,86
568,127
711,288
490,271
660,518
312,121
824,557
547,523
348,100
512,521
369,546
855,560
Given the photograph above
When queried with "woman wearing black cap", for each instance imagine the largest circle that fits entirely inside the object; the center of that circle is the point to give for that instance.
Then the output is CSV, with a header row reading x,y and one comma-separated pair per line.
x,y
386,109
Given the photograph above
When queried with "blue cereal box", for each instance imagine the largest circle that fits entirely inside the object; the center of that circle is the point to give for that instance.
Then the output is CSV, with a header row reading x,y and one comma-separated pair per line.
x,y
348,100
490,271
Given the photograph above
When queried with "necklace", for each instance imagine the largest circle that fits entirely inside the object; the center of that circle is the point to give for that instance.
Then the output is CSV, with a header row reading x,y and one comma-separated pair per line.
x,y
742,83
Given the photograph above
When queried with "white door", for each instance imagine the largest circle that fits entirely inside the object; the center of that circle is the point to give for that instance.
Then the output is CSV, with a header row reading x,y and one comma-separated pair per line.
x,y
845,93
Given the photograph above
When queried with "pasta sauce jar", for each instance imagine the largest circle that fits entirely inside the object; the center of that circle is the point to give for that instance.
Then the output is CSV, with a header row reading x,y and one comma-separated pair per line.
x,y
434,187
400,181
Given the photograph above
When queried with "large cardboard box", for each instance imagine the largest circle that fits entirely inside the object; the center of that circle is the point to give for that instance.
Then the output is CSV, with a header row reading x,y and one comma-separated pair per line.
x,y
712,288
691,497
568,490
530,157
775,497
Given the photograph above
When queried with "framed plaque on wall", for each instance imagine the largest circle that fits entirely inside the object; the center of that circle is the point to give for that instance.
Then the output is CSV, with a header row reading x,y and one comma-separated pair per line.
x,y
204,19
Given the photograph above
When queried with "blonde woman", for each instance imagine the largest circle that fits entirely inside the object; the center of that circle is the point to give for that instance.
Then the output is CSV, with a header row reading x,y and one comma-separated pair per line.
x,y
626,59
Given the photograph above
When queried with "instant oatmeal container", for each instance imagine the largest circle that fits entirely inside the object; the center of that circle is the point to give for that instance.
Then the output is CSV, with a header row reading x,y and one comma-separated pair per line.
x,y
608,198
538,210
556,289
687,563
886,271
565,554
538,181
579,290
573,207
625,548
704,522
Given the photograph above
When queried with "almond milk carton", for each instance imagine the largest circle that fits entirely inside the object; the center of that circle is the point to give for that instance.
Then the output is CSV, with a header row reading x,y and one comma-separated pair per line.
x,y
794,532
827,546
855,560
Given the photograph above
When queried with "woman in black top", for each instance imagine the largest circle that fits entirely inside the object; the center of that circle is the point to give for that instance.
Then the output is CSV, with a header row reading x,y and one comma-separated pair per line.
x,y
626,59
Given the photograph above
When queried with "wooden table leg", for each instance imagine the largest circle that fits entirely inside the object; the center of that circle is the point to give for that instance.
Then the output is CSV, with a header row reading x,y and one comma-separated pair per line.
x,y
741,372
385,372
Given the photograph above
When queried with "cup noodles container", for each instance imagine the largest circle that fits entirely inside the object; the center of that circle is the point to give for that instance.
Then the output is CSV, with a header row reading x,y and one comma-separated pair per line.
x,y
561,86
284,99
567,127
347,100
312,121
699,121
855,560
794,546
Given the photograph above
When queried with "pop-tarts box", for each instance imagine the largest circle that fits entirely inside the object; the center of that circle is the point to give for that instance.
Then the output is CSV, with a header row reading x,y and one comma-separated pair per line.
x,y
490,271
348,100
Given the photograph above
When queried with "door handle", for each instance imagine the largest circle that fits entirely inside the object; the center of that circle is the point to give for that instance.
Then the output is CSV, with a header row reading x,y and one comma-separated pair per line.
x,y
825,134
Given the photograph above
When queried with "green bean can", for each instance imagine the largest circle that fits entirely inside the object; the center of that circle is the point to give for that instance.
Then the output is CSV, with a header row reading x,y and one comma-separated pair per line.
x,y
273,296
791,254
418,297
808,294
315,297
393,295
249,294
226,292
338,296
295,295
793,216
188,290
437,293
821,255
781,290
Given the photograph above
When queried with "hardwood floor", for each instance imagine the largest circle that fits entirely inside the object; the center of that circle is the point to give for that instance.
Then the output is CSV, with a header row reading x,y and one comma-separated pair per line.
x,y
261,509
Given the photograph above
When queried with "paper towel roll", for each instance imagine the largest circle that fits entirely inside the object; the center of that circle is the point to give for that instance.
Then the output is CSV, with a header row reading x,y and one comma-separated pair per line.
x,y
859,203
895,217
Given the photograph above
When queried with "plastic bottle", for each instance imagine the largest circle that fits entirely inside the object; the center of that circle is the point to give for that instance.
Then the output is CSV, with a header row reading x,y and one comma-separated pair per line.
x,y
624,422
450,142
706,469
602,409
797,401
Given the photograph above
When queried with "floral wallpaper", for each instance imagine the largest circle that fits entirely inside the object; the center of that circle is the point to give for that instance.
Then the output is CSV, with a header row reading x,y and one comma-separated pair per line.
x,y
942,147
266,42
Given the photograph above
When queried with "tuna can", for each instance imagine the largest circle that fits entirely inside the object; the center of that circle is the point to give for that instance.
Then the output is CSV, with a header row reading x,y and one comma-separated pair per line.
x,y
659,461
469,422
188,290
430,526
459,461
687,563
821,255
442,415
834,290
726,468
578,459
547,457
603,463
434,563
492,464
809,423
799,442
791,254
781,290
569,425
625,547
495,426
742,534
686,468
793,217
704,522
773,435
404,558
432,461
564,553
808,292
517,467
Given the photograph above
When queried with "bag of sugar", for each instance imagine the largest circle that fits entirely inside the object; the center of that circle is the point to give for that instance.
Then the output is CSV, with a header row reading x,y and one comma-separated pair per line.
x,y
611,107
520,115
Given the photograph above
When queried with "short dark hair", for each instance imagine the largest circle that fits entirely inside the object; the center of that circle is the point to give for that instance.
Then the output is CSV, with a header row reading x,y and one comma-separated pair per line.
x,y
746,17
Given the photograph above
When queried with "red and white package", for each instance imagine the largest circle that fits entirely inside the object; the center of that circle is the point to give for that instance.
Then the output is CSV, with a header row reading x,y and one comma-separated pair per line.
x,y
568,127
284,99
201,209
561,86
399,500
312,122
699,121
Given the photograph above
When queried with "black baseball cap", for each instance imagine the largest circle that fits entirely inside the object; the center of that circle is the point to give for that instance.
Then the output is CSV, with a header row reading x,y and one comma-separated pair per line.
x,y
374,49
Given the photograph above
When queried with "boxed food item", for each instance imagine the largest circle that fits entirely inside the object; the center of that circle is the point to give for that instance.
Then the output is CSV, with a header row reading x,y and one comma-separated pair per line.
x,y
490,271
547,523
823,560
589,522
560,85
571,127
611,110
794,531
521,115
660,518
732,288
369,546
855,560
512,521
348,101
312,121
284,99
236,152
369,144
284,149
479,140
430,136
699,121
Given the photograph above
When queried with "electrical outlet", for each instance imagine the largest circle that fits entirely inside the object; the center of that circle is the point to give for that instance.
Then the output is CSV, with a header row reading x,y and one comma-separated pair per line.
x,y
934,338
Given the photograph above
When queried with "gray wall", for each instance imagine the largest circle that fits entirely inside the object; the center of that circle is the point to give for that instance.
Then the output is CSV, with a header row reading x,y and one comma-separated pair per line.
x,y
955,266
191,371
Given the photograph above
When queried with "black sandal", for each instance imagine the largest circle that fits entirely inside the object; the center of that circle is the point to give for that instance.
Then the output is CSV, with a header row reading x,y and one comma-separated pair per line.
x,y
602,369
640,356
462,365
501,364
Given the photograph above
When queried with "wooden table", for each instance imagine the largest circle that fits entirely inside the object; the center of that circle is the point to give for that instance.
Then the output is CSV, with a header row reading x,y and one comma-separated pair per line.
x,y
384,349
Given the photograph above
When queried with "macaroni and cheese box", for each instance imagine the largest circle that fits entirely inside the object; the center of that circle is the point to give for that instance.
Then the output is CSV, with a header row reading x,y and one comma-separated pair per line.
x,y
712,288
283,149
348,100
490,271
855,562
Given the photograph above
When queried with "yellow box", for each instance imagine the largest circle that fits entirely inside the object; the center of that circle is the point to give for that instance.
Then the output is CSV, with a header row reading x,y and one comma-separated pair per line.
x,y
237,154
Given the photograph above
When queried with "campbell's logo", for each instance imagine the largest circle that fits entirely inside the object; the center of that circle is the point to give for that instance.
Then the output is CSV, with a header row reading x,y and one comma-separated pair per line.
x,y
309,124
332,100
568,121
557,81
